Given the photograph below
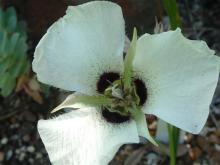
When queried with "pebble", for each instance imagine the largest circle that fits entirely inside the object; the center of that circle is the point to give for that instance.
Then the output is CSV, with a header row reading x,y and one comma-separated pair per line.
x,y
26,138
196,163
2,155
217,147
152,159
22,156
4,141
31,160
39,155
30,149
17,151
9,154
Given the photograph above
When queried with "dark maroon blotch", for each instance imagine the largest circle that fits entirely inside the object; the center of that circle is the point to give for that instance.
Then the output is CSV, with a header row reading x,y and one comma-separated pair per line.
x,y
141,90
105,80
113,117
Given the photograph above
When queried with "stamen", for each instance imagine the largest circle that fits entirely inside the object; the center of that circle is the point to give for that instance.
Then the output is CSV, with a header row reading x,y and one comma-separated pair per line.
x,y
105,80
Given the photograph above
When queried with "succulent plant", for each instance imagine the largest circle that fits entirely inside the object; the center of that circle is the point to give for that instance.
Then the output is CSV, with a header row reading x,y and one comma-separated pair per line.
x,y
13,50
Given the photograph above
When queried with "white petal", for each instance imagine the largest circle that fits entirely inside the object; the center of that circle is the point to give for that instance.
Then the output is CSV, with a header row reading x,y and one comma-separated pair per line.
x,y
83,137
79,47
181,76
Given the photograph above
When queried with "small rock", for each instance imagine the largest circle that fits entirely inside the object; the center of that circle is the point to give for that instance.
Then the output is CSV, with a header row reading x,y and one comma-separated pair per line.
x,y
217,147
17,151
30,149
196,163
39,155
188,138
2,155
4,141
9,154
152,159
26,138
31,160
17,102
194,153
22,156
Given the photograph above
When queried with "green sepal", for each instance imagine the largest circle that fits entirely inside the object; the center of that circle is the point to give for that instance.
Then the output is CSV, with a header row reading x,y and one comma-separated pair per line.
x,y
142,128
84,100
128,62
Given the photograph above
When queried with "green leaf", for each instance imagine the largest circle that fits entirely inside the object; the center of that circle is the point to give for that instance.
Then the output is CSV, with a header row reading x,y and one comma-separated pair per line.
x,y
75,100
3,44
1,18
13,42
13,50
7,63
7,84
21,47
19,67
11,19
21,29
128,62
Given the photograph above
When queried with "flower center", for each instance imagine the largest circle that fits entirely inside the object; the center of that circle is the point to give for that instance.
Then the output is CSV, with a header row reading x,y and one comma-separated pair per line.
x,y
110,84
105,80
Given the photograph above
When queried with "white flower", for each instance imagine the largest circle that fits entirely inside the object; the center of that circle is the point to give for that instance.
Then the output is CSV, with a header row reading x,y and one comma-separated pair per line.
x,y
173,77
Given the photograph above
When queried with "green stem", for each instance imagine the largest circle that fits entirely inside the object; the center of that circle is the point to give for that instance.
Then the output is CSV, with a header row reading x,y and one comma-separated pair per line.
x,y
173,13
172,145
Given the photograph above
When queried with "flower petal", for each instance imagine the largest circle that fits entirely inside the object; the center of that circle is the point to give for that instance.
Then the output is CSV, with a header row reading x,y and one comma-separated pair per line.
x,y
82,137
181,76
79,47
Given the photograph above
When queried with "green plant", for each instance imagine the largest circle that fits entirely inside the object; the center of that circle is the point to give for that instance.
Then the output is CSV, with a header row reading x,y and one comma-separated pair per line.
x,y
13,50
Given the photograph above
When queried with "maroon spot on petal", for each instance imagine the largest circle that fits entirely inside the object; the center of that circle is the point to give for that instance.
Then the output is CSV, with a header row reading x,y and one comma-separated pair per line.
x,y
105,80
141,90
113,117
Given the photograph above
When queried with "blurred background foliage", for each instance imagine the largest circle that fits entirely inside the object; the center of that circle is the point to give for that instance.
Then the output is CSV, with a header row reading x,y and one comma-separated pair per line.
x,y
13,50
